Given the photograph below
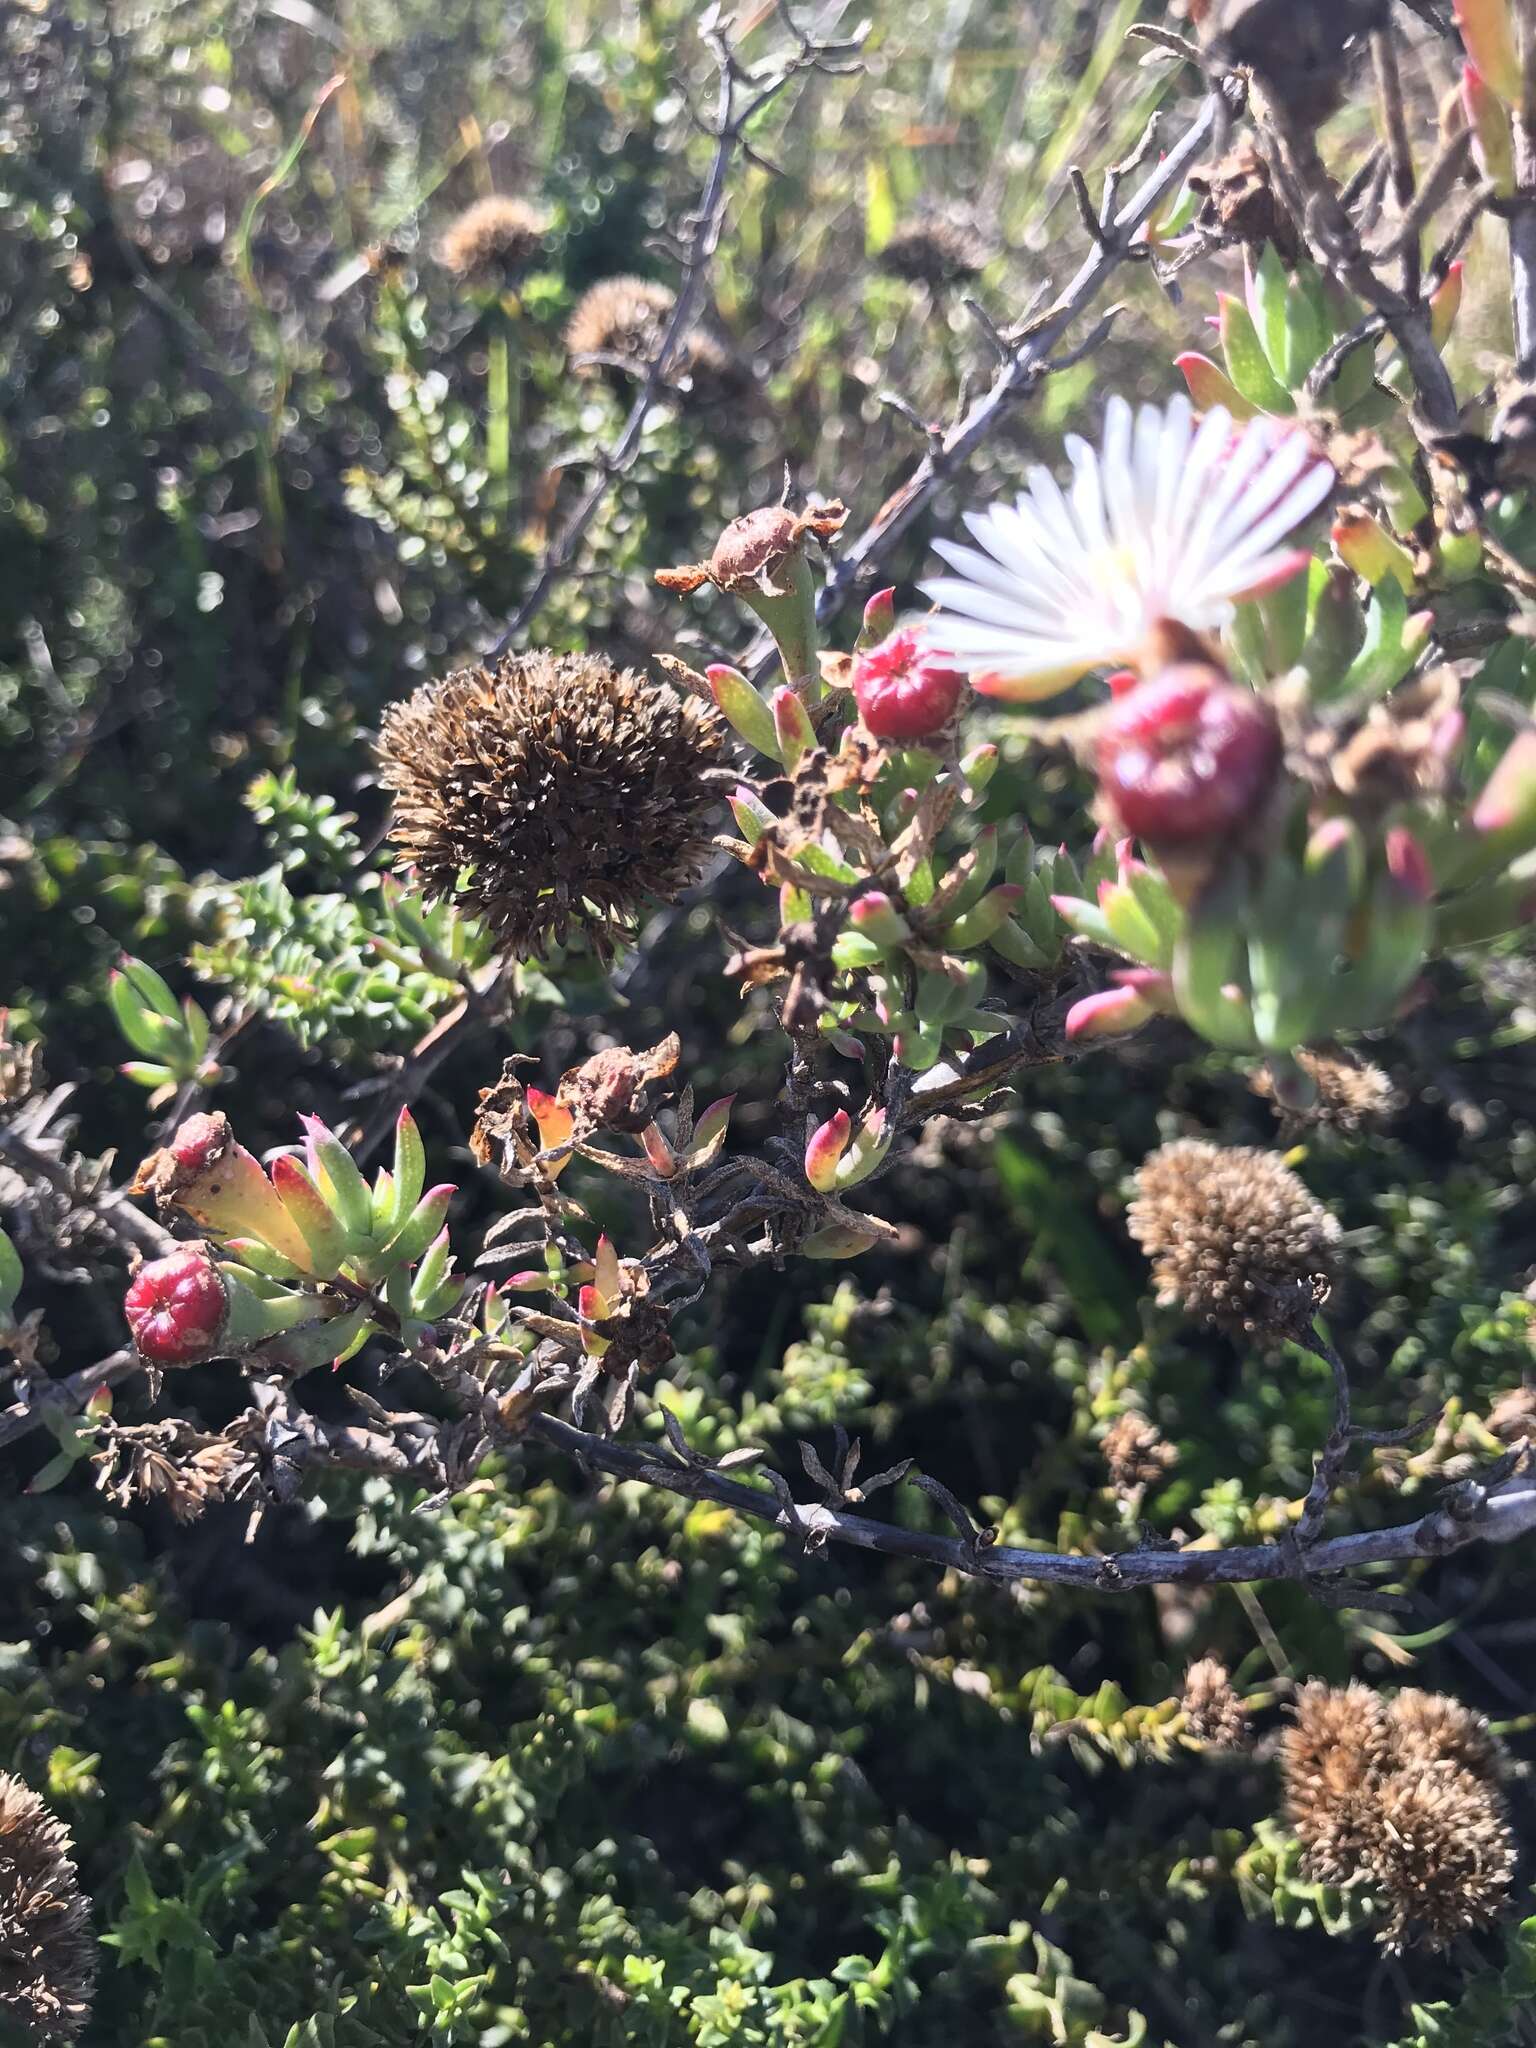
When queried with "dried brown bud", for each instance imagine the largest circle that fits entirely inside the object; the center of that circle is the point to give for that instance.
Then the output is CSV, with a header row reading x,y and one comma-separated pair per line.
x,y
937,250
1213,1713
571,792
1233,1236
1513,1414
1136,1452
47,1952
495,240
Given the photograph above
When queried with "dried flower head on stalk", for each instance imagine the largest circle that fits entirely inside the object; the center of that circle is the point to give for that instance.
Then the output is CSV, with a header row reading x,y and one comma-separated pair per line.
x,y
1233,1235
552,794
495,240
47,1951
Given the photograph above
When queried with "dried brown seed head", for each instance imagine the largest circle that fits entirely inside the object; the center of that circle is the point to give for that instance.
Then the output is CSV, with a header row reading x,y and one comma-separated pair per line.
x,y
1233,1235
47,1951
622,317
1432,1728
1136,1452
495,240
1213,1713
565,793
937,250
1349,1091
1332,1759
1443,1855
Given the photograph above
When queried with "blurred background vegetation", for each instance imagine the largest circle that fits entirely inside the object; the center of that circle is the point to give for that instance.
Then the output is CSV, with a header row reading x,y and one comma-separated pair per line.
x,y
568,1766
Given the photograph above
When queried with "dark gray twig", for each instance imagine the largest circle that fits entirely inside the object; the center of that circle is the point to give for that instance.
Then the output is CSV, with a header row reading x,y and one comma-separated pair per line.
x,y
739,99
1485,1514
1028,361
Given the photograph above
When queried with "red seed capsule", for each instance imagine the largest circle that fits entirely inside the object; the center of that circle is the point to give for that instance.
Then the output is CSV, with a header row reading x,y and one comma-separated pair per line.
x,y
1186,757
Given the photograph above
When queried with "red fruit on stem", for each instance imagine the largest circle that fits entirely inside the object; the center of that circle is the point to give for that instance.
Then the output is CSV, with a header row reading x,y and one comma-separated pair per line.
x,y
177,1307
904,691
1186,757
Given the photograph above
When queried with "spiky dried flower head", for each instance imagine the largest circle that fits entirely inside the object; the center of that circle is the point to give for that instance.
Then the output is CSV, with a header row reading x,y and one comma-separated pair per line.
x,y
1433,1728
1233,1235
1442,1856
1136,1452
551,795
47,1951
1331,1760
495,240
1213,1713
1345,1092
936,250
623,317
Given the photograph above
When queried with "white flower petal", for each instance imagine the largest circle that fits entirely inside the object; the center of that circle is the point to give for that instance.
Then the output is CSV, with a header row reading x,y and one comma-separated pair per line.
x,y
1167,518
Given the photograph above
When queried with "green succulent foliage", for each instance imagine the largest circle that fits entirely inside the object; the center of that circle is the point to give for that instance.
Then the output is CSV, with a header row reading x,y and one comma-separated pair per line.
x,y
359,968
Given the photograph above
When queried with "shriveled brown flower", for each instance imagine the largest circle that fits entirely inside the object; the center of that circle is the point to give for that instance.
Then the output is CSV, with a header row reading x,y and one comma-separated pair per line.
x,y
1239,200
757,552
1233,1235
1332,1759
47,1951
496,239
1442,1856
1213,1713
1433,1728
937,250
565,793
1349,1092
170,1461
1367,762
623,317
1136,1453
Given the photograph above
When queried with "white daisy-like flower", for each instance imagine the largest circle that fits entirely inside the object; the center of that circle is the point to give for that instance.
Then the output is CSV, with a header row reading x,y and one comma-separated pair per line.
x,y
1171,518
